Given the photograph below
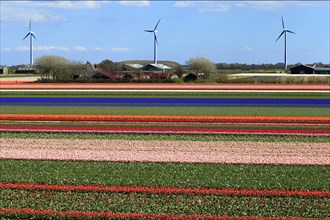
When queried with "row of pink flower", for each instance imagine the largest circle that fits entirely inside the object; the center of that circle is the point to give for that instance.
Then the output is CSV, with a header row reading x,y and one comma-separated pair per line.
x,y
166,190
163,86
164,130
82,214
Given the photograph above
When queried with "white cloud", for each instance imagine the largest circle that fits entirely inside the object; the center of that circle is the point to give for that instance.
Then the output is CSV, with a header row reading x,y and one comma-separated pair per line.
x,y
67,4
47,48
22,48
42,48
263,5
135,3
120,49
247,48
302,4
61,48
214,8
41,11
99,49
41,17
80,48
224,6
183,4
203,6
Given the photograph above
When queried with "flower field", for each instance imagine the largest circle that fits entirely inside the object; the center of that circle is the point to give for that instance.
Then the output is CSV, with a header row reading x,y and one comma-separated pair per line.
x,y
165,86
164,151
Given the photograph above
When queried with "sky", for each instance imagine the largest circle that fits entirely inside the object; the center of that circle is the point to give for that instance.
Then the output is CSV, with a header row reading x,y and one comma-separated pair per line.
x,y
221,31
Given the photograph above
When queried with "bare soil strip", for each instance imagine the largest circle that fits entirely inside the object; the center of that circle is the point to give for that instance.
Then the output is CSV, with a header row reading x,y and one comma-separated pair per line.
x,y
167,151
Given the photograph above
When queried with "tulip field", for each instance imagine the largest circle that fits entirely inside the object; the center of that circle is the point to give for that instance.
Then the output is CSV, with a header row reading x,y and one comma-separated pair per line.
x,y
137,151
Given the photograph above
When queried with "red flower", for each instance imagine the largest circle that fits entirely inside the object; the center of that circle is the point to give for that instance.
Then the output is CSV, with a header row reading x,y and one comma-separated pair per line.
x,y
78,214
166,190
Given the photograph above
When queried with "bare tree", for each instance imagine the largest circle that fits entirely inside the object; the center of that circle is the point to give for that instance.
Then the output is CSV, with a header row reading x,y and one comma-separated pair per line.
x,y
202,65
51,67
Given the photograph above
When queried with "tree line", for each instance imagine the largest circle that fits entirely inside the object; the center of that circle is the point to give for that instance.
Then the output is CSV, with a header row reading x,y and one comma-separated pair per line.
x,y
56,68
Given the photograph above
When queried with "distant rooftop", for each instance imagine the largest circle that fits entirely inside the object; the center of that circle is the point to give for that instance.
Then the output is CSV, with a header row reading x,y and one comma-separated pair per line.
x,y
160,66
135,66
322,68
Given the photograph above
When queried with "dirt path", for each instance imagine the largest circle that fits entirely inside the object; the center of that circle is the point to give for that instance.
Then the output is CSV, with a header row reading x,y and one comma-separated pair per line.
x,y
167,151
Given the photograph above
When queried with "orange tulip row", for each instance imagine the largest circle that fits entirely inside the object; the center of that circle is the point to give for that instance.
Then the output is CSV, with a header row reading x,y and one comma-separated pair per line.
x,y
165,118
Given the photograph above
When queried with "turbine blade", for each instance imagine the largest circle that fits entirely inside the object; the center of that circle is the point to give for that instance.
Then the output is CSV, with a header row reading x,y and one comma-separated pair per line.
x,y
157,24
291,32
156,39
283,23
26,36
148,31
33,36
30,25
280,35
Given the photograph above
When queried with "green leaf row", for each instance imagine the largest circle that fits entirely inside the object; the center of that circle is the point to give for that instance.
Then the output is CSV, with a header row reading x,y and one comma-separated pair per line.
x,y
166,174
177,204
207,111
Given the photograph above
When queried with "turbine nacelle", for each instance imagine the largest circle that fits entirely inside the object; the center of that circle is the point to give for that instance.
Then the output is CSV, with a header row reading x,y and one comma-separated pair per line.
x,y
30,34
284,30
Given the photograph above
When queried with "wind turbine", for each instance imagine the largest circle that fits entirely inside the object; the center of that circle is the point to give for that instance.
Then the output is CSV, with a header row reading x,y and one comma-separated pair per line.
x,y
284,32
155,41
31,34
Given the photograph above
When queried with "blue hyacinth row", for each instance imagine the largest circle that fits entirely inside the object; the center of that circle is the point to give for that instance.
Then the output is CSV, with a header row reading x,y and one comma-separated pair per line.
x,y
192,102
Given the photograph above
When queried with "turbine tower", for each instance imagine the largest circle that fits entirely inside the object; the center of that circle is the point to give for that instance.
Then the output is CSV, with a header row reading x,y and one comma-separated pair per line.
x,y
155,41
31,34
284,32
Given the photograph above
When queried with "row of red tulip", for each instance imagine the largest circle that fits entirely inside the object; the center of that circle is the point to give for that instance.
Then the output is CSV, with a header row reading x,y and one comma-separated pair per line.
x,y
81,214
166,190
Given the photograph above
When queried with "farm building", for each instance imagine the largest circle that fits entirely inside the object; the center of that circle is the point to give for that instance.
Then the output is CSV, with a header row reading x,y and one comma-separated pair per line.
x,y
130,71
304,69
322,70
191,77
157,67
4,70
157,71
25,70
102,74
132,67
90,71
